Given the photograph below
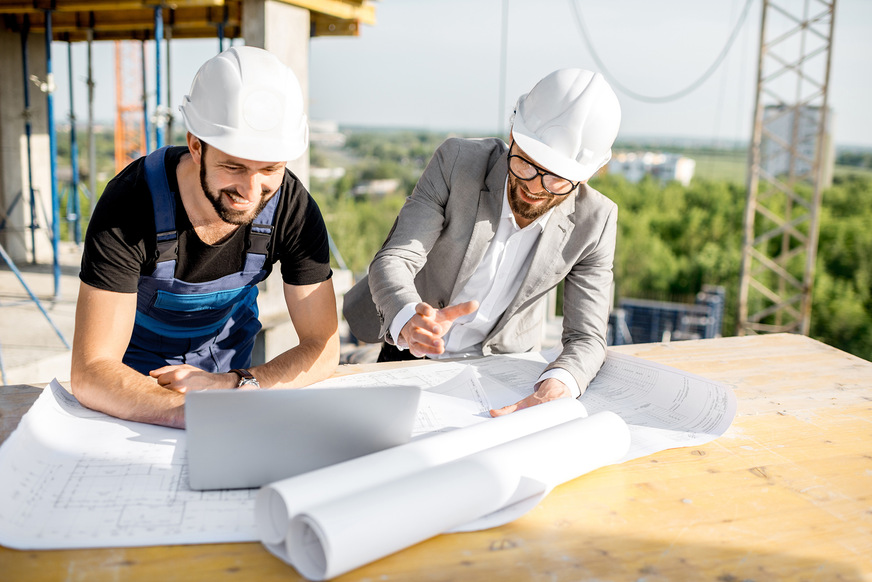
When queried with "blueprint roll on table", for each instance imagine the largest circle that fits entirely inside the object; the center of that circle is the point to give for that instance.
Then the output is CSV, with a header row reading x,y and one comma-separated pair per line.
x,y
277,503
356,523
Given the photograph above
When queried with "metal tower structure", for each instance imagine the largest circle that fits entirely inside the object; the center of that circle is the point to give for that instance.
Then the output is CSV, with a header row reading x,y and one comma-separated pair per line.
x,y
788,161
130,133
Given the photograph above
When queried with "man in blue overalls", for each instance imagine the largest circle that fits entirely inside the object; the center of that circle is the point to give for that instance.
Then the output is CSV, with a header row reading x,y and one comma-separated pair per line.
x,y
179,241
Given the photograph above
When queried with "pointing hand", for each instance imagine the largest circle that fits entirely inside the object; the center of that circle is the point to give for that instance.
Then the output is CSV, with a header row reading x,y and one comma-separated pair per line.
x,y
424,331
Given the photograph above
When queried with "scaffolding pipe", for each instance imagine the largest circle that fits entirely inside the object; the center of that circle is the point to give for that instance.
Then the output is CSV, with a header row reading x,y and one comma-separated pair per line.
x,y
28,134
159,114
74,213
168,32
53,147
92,144
146,130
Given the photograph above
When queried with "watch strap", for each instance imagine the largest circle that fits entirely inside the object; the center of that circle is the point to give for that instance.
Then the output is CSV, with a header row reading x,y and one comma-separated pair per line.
x,y
246,378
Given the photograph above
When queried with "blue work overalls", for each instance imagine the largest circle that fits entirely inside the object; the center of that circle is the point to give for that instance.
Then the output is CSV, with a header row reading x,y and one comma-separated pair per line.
x,y
210,325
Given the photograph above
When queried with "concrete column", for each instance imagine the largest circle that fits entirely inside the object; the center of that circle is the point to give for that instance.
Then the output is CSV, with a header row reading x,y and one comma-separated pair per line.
x,y
14,185
284,31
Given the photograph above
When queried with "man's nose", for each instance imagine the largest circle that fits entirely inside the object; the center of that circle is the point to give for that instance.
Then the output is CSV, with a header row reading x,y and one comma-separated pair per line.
x,y
536,185
251,185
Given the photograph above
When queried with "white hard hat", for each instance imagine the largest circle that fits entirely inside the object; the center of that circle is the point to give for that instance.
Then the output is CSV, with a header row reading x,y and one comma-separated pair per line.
x,y
247,103
568,122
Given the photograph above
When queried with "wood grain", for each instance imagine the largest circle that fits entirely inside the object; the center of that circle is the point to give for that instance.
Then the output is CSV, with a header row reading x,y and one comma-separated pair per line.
x,y
785,494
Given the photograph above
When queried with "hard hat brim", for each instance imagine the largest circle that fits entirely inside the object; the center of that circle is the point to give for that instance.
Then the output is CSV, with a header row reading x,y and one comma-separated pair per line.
x,y
553,161
260,149
255,150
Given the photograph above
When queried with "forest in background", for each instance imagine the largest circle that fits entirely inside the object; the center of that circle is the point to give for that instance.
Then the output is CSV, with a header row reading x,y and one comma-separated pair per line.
x,y
672,239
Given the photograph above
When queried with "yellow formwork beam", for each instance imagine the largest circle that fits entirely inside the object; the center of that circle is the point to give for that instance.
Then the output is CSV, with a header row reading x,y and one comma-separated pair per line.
x,y
24,7
359,10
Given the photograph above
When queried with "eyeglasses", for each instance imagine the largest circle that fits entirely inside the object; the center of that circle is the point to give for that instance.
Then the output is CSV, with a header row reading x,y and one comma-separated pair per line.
x,y
524,169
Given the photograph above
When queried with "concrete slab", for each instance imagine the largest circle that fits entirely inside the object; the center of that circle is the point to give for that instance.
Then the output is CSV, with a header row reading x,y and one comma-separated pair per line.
x,y
30,348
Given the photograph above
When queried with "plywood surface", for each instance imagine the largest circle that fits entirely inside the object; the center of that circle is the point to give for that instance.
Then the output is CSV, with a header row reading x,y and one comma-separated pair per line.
x,y
785,494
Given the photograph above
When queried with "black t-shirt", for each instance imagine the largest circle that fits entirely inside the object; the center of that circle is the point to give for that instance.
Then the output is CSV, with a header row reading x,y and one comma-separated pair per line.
x,y
120,244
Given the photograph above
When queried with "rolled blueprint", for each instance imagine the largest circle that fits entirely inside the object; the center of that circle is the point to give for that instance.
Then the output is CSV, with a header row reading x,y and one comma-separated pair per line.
x,y
343,533
277,503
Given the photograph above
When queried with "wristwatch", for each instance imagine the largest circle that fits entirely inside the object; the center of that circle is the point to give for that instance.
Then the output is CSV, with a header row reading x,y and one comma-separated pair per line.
x,y
246,378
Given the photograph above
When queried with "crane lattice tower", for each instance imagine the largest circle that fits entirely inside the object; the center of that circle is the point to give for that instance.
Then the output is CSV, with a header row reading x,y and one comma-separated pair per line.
x,y
789,166
130,135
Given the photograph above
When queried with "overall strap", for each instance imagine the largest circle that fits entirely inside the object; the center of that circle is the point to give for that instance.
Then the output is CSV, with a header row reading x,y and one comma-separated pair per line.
x,y
164,203
260,236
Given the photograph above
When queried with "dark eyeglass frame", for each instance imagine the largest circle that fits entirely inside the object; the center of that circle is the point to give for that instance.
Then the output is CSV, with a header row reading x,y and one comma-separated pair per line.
x,y
540,173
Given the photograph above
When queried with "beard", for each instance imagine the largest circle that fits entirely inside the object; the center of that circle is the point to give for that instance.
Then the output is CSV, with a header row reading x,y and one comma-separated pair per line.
x,y
523,208
229,215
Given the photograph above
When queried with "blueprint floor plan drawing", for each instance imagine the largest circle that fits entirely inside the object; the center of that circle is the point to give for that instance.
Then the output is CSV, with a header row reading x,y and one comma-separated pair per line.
x,y
115,483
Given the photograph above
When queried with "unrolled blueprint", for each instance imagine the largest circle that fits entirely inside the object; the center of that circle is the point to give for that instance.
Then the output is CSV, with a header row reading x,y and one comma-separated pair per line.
x,y
71,477
663,406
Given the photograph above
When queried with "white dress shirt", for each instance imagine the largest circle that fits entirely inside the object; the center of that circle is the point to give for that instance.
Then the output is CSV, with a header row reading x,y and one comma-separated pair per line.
x,y
494,284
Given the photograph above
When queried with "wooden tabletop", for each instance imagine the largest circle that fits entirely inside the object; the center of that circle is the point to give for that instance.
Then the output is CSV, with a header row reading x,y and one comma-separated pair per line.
x,y
785,494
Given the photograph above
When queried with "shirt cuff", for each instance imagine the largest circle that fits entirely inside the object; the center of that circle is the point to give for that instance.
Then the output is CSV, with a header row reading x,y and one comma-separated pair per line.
x,y
400,322
563,376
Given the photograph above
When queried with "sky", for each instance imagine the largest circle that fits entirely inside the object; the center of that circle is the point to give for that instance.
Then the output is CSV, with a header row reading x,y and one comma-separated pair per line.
x,y
437,65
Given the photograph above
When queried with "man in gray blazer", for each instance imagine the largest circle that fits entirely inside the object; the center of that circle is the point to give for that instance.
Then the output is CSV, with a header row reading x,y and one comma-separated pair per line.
x,y
491,228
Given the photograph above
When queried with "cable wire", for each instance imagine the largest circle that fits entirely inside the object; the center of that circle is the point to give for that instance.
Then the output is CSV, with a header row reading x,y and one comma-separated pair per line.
x,y
579,19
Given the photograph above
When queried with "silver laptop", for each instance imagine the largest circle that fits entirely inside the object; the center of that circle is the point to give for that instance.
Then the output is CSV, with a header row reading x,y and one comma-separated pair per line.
x,y
249,438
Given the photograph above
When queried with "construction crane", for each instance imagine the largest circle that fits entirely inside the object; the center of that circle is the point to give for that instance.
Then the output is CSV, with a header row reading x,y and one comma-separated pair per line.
x,y
789,167
130,130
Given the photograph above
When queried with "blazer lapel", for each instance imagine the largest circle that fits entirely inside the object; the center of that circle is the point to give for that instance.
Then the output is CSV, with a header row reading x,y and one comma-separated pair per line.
x,y
547,259
490,204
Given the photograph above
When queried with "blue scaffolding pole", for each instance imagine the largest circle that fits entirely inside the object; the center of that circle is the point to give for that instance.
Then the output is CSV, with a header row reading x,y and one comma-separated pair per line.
x,y
53,146
74,210
158,37
92,145
168,34
48,88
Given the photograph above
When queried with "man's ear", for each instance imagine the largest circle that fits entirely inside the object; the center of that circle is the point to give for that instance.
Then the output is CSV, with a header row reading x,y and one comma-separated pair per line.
x,y
195,147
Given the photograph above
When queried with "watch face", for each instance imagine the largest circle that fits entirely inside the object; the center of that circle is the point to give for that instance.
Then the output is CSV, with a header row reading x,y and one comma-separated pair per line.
x,y
246,378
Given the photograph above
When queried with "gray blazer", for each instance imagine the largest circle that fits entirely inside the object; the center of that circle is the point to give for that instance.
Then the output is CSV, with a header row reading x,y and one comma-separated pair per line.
x,y
442,233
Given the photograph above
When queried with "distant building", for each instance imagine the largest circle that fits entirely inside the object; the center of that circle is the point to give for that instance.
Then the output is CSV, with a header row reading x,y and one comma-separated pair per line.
x,y
326,134
665,167
376,188
326,173
781,125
